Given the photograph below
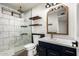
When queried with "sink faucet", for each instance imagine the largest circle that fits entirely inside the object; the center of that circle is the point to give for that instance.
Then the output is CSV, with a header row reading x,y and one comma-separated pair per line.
x,y
75,43
51,36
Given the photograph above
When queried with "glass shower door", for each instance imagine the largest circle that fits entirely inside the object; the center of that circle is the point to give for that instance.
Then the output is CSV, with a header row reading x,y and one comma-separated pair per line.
x,y
23,32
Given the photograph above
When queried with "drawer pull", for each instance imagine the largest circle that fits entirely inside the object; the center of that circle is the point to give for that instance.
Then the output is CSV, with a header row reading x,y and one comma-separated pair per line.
x,y
67,51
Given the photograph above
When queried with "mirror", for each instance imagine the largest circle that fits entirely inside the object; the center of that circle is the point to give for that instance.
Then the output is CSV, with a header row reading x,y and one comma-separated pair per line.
x,y
57,20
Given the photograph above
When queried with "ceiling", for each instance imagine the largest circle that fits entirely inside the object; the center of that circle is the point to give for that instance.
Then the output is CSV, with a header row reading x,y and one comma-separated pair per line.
x,y
25,6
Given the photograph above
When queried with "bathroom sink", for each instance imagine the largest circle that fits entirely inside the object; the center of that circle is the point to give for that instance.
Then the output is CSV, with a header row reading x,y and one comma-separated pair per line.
x,y
58,41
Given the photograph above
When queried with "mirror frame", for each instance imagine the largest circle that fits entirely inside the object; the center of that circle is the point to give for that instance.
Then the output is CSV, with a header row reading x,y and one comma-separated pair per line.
x,y
66,11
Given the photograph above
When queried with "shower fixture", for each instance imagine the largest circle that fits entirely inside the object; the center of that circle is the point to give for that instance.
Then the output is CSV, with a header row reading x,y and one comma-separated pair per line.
x,y
20,9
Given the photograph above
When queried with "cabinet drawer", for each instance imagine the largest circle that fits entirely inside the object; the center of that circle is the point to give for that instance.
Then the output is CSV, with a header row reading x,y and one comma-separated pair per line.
x,y
53,49
41,51
50,46
69,51
52,53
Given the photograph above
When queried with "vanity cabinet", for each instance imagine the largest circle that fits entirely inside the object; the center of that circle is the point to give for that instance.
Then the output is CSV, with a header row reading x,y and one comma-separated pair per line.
x,y
69,51
51,52
41,51
48,49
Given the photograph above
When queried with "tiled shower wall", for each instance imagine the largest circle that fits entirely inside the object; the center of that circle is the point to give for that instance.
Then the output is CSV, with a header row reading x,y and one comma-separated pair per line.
x,y
10,32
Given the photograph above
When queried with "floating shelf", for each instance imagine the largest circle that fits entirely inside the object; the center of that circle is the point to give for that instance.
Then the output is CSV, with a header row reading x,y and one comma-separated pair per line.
x,y
23,34
35,18
23,26
35,25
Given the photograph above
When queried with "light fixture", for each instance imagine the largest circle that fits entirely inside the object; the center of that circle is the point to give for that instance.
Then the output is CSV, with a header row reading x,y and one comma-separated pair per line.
x,y
57,3
47,5
51,4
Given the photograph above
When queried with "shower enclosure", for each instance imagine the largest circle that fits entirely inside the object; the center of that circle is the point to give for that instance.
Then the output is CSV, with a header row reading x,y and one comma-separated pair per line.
x,y
15,32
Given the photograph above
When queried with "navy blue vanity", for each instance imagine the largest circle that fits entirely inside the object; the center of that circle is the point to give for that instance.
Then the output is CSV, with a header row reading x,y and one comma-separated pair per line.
x,y
48,49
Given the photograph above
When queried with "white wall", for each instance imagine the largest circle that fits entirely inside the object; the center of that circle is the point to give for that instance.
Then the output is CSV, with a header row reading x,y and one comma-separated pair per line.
x,y
72,19
77,22
42,12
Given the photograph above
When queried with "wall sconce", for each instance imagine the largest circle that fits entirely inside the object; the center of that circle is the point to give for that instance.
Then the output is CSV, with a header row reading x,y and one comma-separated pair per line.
x,y
47,5
51,4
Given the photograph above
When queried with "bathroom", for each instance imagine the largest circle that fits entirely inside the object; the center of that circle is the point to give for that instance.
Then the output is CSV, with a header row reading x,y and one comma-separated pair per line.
x,y
24,29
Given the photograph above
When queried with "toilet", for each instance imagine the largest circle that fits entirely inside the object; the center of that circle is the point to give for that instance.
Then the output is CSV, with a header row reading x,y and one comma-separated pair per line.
x,y
31,49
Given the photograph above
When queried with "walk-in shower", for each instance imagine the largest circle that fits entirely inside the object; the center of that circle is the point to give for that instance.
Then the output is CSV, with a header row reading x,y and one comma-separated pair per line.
x,y
15,32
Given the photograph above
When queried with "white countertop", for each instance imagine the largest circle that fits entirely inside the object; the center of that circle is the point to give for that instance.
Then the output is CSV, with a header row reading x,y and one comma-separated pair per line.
x,y
58,41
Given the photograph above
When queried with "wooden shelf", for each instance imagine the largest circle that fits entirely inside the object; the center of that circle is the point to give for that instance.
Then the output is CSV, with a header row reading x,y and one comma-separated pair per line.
x,y
35,18
23,34
35,25
23,26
